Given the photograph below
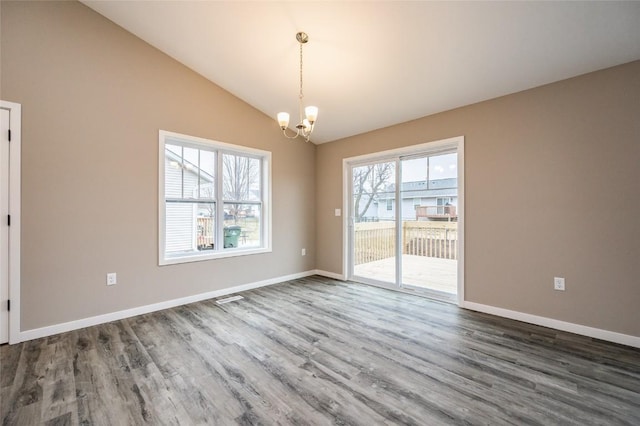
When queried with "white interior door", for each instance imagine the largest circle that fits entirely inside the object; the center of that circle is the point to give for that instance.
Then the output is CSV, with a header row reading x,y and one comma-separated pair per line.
x,y
4,225
10,149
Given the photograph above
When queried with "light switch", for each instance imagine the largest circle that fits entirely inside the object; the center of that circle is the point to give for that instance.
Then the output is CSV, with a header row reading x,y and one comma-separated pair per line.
x,y
338,212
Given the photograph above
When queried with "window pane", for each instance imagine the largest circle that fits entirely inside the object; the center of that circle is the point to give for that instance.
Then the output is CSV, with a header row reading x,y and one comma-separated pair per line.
x,y
176,149
190,227
373,191
241,179
443,166
173,171
414,170
206,226
207,173
190,174
242,225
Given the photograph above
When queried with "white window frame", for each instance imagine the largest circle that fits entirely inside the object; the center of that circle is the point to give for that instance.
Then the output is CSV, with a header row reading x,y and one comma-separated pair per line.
x,y
219,148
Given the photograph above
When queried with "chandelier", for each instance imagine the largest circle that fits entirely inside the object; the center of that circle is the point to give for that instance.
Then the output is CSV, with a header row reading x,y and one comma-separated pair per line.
x,y
307,121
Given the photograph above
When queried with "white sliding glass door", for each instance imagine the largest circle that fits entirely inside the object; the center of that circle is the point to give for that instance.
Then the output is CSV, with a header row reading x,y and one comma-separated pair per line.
x,y
404,219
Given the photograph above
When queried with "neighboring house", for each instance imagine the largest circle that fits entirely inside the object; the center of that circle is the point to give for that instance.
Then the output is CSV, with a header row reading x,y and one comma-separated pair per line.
x,y
436,195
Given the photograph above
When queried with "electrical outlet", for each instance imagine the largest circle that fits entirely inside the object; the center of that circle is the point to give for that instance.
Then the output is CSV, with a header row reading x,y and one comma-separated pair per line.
x,y
112,278
304,252
558,283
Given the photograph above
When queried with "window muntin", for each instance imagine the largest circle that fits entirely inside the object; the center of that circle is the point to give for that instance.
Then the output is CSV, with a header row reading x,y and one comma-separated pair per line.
x,y
214,199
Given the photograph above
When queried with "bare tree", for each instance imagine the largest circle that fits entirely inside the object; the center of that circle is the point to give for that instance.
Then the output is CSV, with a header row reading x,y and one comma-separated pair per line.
x,y
368,182
241,175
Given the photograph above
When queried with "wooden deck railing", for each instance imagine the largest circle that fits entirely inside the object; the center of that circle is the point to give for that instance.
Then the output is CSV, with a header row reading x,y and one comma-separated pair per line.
x,y
205,233
447,212
431,239
376,240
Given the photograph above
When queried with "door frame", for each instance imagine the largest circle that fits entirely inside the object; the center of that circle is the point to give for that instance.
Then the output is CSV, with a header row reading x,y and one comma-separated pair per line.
x,y
428,148
15,148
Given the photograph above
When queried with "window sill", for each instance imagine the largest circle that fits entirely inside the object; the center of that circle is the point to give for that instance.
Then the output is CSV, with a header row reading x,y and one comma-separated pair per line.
x,y
210,256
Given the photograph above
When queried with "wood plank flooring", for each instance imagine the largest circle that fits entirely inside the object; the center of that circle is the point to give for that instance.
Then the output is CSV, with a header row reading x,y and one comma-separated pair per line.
x,y
317,352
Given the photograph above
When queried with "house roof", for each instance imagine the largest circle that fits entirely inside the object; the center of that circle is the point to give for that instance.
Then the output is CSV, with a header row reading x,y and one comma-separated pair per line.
x,y
422,189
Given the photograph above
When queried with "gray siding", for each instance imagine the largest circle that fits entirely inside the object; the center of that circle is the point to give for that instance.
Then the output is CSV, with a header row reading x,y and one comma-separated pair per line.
x,y
180,218
180,227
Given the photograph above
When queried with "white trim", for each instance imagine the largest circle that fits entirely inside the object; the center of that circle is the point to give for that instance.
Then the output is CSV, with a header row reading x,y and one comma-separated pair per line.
x,y
220,255
406,150
596,333
461,220
15,124
328,274
161,197
347,219
398,220
37,333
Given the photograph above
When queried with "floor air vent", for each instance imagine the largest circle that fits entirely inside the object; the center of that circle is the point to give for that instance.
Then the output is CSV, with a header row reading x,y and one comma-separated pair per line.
x,y
228,299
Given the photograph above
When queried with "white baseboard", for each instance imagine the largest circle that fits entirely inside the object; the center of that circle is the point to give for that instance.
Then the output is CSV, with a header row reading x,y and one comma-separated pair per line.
x,y
330,275
50,330
597,333
610,336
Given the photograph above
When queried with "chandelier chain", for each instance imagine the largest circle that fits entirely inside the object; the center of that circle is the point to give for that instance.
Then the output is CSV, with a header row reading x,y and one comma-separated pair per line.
x,y
301,94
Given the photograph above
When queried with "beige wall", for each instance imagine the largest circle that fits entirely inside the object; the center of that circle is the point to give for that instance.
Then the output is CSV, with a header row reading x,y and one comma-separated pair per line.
x,y
93,99
552,181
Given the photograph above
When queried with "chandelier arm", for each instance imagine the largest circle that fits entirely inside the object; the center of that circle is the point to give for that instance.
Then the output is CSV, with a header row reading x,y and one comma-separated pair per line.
x,y
306,131
284,132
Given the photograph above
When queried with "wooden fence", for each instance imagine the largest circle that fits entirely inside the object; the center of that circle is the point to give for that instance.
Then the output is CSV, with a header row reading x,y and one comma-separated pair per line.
x,y
376,240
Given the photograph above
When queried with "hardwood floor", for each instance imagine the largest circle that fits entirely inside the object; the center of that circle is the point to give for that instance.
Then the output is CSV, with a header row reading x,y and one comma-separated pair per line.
x,y
316,351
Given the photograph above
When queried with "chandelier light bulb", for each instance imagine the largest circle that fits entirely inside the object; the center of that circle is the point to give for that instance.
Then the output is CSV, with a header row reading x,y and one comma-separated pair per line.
x,y
312,113
283,119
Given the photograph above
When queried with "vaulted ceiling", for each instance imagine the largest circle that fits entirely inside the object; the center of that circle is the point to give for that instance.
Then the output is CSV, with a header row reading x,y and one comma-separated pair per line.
x,y
373,64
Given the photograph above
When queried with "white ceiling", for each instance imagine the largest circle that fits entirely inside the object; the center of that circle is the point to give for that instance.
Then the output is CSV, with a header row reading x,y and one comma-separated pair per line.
x,y
373,64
